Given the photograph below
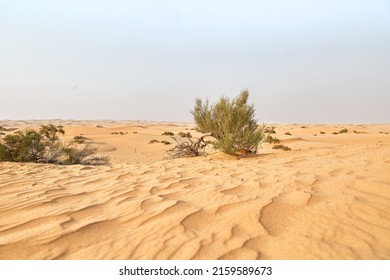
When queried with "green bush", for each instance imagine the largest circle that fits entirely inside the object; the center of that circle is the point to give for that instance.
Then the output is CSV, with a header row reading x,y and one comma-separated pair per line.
x,y
168,133
230,122
44,146
271,140
282,147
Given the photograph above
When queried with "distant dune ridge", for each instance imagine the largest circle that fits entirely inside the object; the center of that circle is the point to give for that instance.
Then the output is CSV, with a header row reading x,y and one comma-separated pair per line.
x,y
326,198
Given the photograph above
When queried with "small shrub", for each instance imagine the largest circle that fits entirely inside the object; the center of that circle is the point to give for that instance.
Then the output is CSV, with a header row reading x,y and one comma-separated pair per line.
x,y
153,141
187,147
282,147
135,132
168,133
303,126
184,134
335,133
271,140
270,130
79,139
44,146
322,132
344,130
288,133
166,142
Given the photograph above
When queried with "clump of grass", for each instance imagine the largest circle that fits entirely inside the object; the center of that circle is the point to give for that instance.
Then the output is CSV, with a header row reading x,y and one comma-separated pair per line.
x,y
335,133
153,141
185,134
271,140
79,139
135,132
303,126
344,130
282,147
322,132
288,133
166,142
168,133
270,130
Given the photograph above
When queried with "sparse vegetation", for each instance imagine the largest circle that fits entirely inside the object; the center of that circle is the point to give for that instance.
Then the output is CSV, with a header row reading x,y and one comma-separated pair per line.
x,y
185,134
282,147
270,130
153,141
188,147
230,122
44,146
79,139
168,133
271,140
344,130
166,142
288,133
322,132
335,133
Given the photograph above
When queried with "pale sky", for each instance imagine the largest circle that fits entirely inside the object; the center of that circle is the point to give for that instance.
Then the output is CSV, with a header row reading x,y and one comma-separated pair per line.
x,y
317,61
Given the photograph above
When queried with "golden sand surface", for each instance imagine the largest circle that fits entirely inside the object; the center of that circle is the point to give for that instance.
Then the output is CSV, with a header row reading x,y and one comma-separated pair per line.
x,y
326,198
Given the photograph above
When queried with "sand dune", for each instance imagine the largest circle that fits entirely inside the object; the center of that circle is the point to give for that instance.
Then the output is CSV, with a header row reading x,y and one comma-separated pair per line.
x,y
327,198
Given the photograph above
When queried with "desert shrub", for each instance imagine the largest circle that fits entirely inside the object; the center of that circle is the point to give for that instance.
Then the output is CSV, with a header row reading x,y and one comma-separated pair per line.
x,y
166,142
168,133
282,147
79,139
335,133
271,140
187,147
270,130
22,146
44,146
153,141
230,122
135,132
184,134
288,133
322,132
51,132
344,130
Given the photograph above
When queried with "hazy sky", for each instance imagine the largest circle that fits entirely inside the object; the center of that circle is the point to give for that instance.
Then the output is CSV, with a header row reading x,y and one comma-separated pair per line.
x,y
305,61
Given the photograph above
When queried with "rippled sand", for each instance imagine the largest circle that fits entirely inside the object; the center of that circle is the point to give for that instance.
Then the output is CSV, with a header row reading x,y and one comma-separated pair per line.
x,y
327,198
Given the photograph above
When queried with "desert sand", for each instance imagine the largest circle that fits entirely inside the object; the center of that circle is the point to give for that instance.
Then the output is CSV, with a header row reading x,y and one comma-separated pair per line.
x,y
326,198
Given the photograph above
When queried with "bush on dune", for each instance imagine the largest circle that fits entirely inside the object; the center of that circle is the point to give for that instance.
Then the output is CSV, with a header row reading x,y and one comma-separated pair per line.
x,y
231,122
44,146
